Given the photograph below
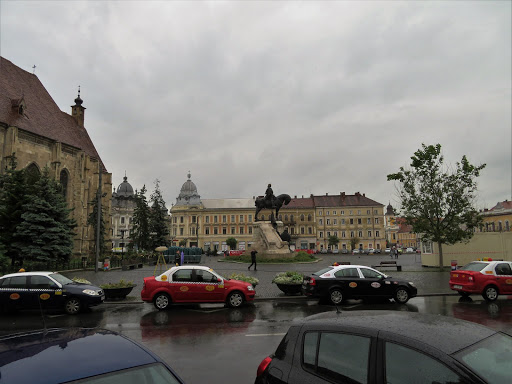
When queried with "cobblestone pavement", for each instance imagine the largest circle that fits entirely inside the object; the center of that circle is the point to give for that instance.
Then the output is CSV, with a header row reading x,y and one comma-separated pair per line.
x,y
430,281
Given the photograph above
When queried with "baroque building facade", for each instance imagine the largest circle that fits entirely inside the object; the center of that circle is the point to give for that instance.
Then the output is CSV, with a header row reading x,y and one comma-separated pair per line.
x,y
310,221
38,134
123,207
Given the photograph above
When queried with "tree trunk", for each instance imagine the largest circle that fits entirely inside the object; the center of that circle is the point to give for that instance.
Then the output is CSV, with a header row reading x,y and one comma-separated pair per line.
x,y
441,263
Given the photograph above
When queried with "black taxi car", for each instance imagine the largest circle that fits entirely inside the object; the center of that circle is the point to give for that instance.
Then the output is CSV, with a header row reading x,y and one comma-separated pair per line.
x,y
80,355
337,283
47,290
377,347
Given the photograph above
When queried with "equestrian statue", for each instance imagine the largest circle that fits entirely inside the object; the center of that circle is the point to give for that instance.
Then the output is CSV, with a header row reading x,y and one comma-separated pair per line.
x,y
271,202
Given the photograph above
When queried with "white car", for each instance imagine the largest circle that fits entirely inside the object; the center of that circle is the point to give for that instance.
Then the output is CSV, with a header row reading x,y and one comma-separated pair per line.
x,y
409,250
354,251
335,251
387,250
371,251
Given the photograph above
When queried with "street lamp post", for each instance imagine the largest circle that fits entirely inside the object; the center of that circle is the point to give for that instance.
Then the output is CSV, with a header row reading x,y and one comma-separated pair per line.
x,y
197,233
122,242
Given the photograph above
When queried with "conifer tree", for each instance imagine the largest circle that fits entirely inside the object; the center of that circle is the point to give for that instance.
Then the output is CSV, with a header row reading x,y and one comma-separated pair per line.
x,y
13,194
46,231
158,219
140,232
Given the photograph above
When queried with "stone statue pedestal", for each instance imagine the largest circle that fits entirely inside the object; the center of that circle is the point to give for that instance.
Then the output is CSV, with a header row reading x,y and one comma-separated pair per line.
x,y
267,241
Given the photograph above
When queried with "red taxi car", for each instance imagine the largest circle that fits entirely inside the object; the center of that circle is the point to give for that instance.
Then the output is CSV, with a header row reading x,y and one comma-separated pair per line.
x,y
195,284
488,278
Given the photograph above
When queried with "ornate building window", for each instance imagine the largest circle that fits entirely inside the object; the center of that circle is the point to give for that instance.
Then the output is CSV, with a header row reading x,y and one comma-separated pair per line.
x,y
310,218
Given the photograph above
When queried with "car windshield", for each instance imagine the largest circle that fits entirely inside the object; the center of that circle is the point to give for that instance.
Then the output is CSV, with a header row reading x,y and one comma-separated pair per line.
x,y
474,266
61,279
147,374
322,271
490,358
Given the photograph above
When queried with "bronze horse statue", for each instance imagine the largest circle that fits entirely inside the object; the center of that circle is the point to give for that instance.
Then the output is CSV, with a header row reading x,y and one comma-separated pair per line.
x,y
278,202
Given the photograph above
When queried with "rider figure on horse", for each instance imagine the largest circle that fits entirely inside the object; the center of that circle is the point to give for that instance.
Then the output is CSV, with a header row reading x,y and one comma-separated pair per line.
x,y
269,195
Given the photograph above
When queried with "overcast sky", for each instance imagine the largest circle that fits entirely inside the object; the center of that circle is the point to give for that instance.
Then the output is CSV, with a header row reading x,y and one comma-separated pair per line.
x,y
313,97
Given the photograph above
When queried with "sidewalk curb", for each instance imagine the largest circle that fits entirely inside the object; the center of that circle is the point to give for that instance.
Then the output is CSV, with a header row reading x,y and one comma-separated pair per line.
x,y
297,297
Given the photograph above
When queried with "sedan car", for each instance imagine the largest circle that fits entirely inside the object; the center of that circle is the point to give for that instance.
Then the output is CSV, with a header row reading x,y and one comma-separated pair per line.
x,y
195,284
487,278
388,347
337,283
48,290
87,356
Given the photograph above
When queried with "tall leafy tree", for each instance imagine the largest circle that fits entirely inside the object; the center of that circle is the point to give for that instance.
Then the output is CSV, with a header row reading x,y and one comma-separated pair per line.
x,y
46,231
158,224
140,232
333,241
13,194
437,200
231,242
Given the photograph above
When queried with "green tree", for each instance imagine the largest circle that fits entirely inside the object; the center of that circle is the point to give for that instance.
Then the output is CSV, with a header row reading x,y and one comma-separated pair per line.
x,y
183,243
437,200
158,220
13,194
140,233
47,230
231,242
333,241
353,242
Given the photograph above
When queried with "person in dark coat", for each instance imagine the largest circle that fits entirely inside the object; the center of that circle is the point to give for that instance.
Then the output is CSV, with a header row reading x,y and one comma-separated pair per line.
x,y
253,259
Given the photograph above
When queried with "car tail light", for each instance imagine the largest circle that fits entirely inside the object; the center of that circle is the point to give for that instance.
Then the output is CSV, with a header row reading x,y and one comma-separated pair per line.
x,y
263,365
312,281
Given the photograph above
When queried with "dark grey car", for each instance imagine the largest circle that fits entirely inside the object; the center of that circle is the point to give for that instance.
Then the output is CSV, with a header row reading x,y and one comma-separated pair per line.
x,y
388,347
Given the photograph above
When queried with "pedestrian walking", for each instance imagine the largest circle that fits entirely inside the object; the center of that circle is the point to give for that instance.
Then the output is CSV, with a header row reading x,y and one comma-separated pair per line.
x,y
177,258
182,258
253,259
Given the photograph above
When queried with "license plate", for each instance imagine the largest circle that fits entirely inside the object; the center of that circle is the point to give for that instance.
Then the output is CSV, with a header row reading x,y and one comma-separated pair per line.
x,y
457,286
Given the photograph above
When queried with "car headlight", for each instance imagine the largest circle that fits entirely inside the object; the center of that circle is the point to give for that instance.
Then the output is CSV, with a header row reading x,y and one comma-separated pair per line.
x,y
90,292
250,288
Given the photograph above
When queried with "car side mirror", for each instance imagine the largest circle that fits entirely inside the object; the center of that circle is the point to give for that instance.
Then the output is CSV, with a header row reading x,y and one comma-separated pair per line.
x,y
219,280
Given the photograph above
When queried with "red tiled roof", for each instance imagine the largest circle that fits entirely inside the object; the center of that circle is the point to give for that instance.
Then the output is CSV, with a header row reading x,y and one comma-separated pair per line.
x,y
341,200
502,205
42,115
304,202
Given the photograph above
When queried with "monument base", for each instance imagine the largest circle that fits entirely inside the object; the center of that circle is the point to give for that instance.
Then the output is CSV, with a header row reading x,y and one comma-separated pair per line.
x,y
267,241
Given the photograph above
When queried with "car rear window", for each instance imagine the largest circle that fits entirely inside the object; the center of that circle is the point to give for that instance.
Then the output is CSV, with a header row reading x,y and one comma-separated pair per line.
x,y
322,271
474,266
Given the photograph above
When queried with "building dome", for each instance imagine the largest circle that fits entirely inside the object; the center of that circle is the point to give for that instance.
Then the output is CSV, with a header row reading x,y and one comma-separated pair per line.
x,y
188,194
125,189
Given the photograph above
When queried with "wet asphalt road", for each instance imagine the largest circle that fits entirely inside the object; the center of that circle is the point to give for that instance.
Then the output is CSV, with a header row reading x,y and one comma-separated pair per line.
x,y
213,344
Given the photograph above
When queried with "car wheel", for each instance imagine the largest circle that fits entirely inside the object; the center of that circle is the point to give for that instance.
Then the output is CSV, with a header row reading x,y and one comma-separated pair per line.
x,y
336,296
235,299
162,301
401,295
490,293
72,306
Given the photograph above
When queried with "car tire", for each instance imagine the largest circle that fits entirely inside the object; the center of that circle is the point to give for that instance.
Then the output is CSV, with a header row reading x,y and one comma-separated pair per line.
x,y
335,296
162,301
72,306
490,293
402,295
235,299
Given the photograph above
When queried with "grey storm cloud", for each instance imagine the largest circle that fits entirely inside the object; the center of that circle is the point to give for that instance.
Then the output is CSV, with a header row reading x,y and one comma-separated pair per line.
x,y
314,97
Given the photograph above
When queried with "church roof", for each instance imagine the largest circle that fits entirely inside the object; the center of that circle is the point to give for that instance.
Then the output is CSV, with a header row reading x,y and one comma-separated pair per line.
x,y
41,116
